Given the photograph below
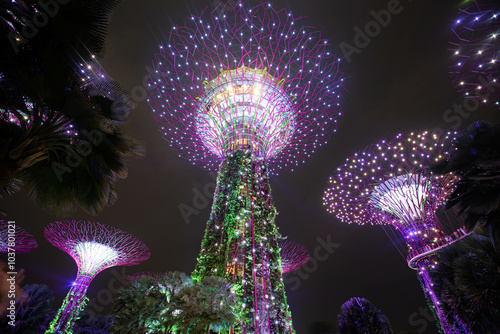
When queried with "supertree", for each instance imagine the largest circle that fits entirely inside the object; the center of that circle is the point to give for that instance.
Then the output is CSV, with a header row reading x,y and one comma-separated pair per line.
x,y
475,47
293,255
94,247
388,183
14,239
250,91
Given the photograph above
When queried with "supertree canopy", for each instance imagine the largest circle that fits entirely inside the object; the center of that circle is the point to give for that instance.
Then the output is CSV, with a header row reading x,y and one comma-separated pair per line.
x,y
388,183
475,47
14,239
248,77
293,255
250,91
94,247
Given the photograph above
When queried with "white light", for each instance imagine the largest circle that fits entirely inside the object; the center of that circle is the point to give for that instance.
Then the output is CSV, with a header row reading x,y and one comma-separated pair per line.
x,y
93,256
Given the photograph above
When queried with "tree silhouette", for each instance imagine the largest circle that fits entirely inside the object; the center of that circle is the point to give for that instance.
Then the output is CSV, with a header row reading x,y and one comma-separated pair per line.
x,y
467,281
360,316
60,117
476,158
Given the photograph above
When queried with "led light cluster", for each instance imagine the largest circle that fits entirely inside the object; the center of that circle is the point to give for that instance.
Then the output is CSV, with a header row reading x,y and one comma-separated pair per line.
x,y
247,77
475,53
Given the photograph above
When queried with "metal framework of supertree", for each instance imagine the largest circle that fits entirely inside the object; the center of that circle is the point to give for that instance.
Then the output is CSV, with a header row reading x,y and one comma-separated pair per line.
x,y
388,184
293,255
14,239
250,91
94,247
475,61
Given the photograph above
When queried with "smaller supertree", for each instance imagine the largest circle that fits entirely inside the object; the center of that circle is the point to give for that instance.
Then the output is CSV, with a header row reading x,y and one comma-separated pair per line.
x,y
293,255
475,61
360,316
94,247
15,239
388,184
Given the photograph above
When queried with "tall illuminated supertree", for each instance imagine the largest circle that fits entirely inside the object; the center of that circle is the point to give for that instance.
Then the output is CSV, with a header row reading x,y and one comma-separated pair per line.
x,y
475,47
15,239
388,184
293,255
251,92
94,247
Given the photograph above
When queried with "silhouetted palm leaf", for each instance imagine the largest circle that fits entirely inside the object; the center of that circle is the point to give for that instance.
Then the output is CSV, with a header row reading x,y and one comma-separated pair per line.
x,y
48,108
476,158
467,281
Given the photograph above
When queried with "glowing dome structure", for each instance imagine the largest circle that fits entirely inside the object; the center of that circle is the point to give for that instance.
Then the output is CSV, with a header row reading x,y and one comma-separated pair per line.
x,y
475,53
388,184
14,239
94,247
293,255
251,77
251,92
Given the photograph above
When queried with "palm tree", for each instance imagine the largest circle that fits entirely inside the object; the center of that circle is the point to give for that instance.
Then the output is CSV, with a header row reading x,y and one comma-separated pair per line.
x,y
60,117
32,314
475,157
467,281
360,316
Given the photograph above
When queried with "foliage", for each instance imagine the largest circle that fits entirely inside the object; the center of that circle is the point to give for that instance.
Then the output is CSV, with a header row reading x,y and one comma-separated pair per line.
x,y
60,118
467,281
241,242
476,158
174,303
360,316
99,324
33,314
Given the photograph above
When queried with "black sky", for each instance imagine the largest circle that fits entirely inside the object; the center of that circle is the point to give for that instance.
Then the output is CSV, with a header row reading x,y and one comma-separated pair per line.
x,y
397,83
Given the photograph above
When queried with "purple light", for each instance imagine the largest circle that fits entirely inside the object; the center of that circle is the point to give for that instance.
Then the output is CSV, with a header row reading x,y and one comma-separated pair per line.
x,y
475,44
94,247
388,183
249,77
14,239
293,255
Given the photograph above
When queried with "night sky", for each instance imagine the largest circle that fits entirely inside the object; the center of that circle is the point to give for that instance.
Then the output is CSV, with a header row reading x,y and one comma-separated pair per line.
x,y
399,82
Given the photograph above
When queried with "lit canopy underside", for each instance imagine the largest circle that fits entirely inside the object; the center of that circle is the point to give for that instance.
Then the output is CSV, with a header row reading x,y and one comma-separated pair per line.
x,y
245,108
403,196
93,255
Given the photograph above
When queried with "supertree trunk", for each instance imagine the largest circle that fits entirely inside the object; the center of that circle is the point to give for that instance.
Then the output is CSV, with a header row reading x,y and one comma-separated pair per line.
x,y
443,324
241,244
71,307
